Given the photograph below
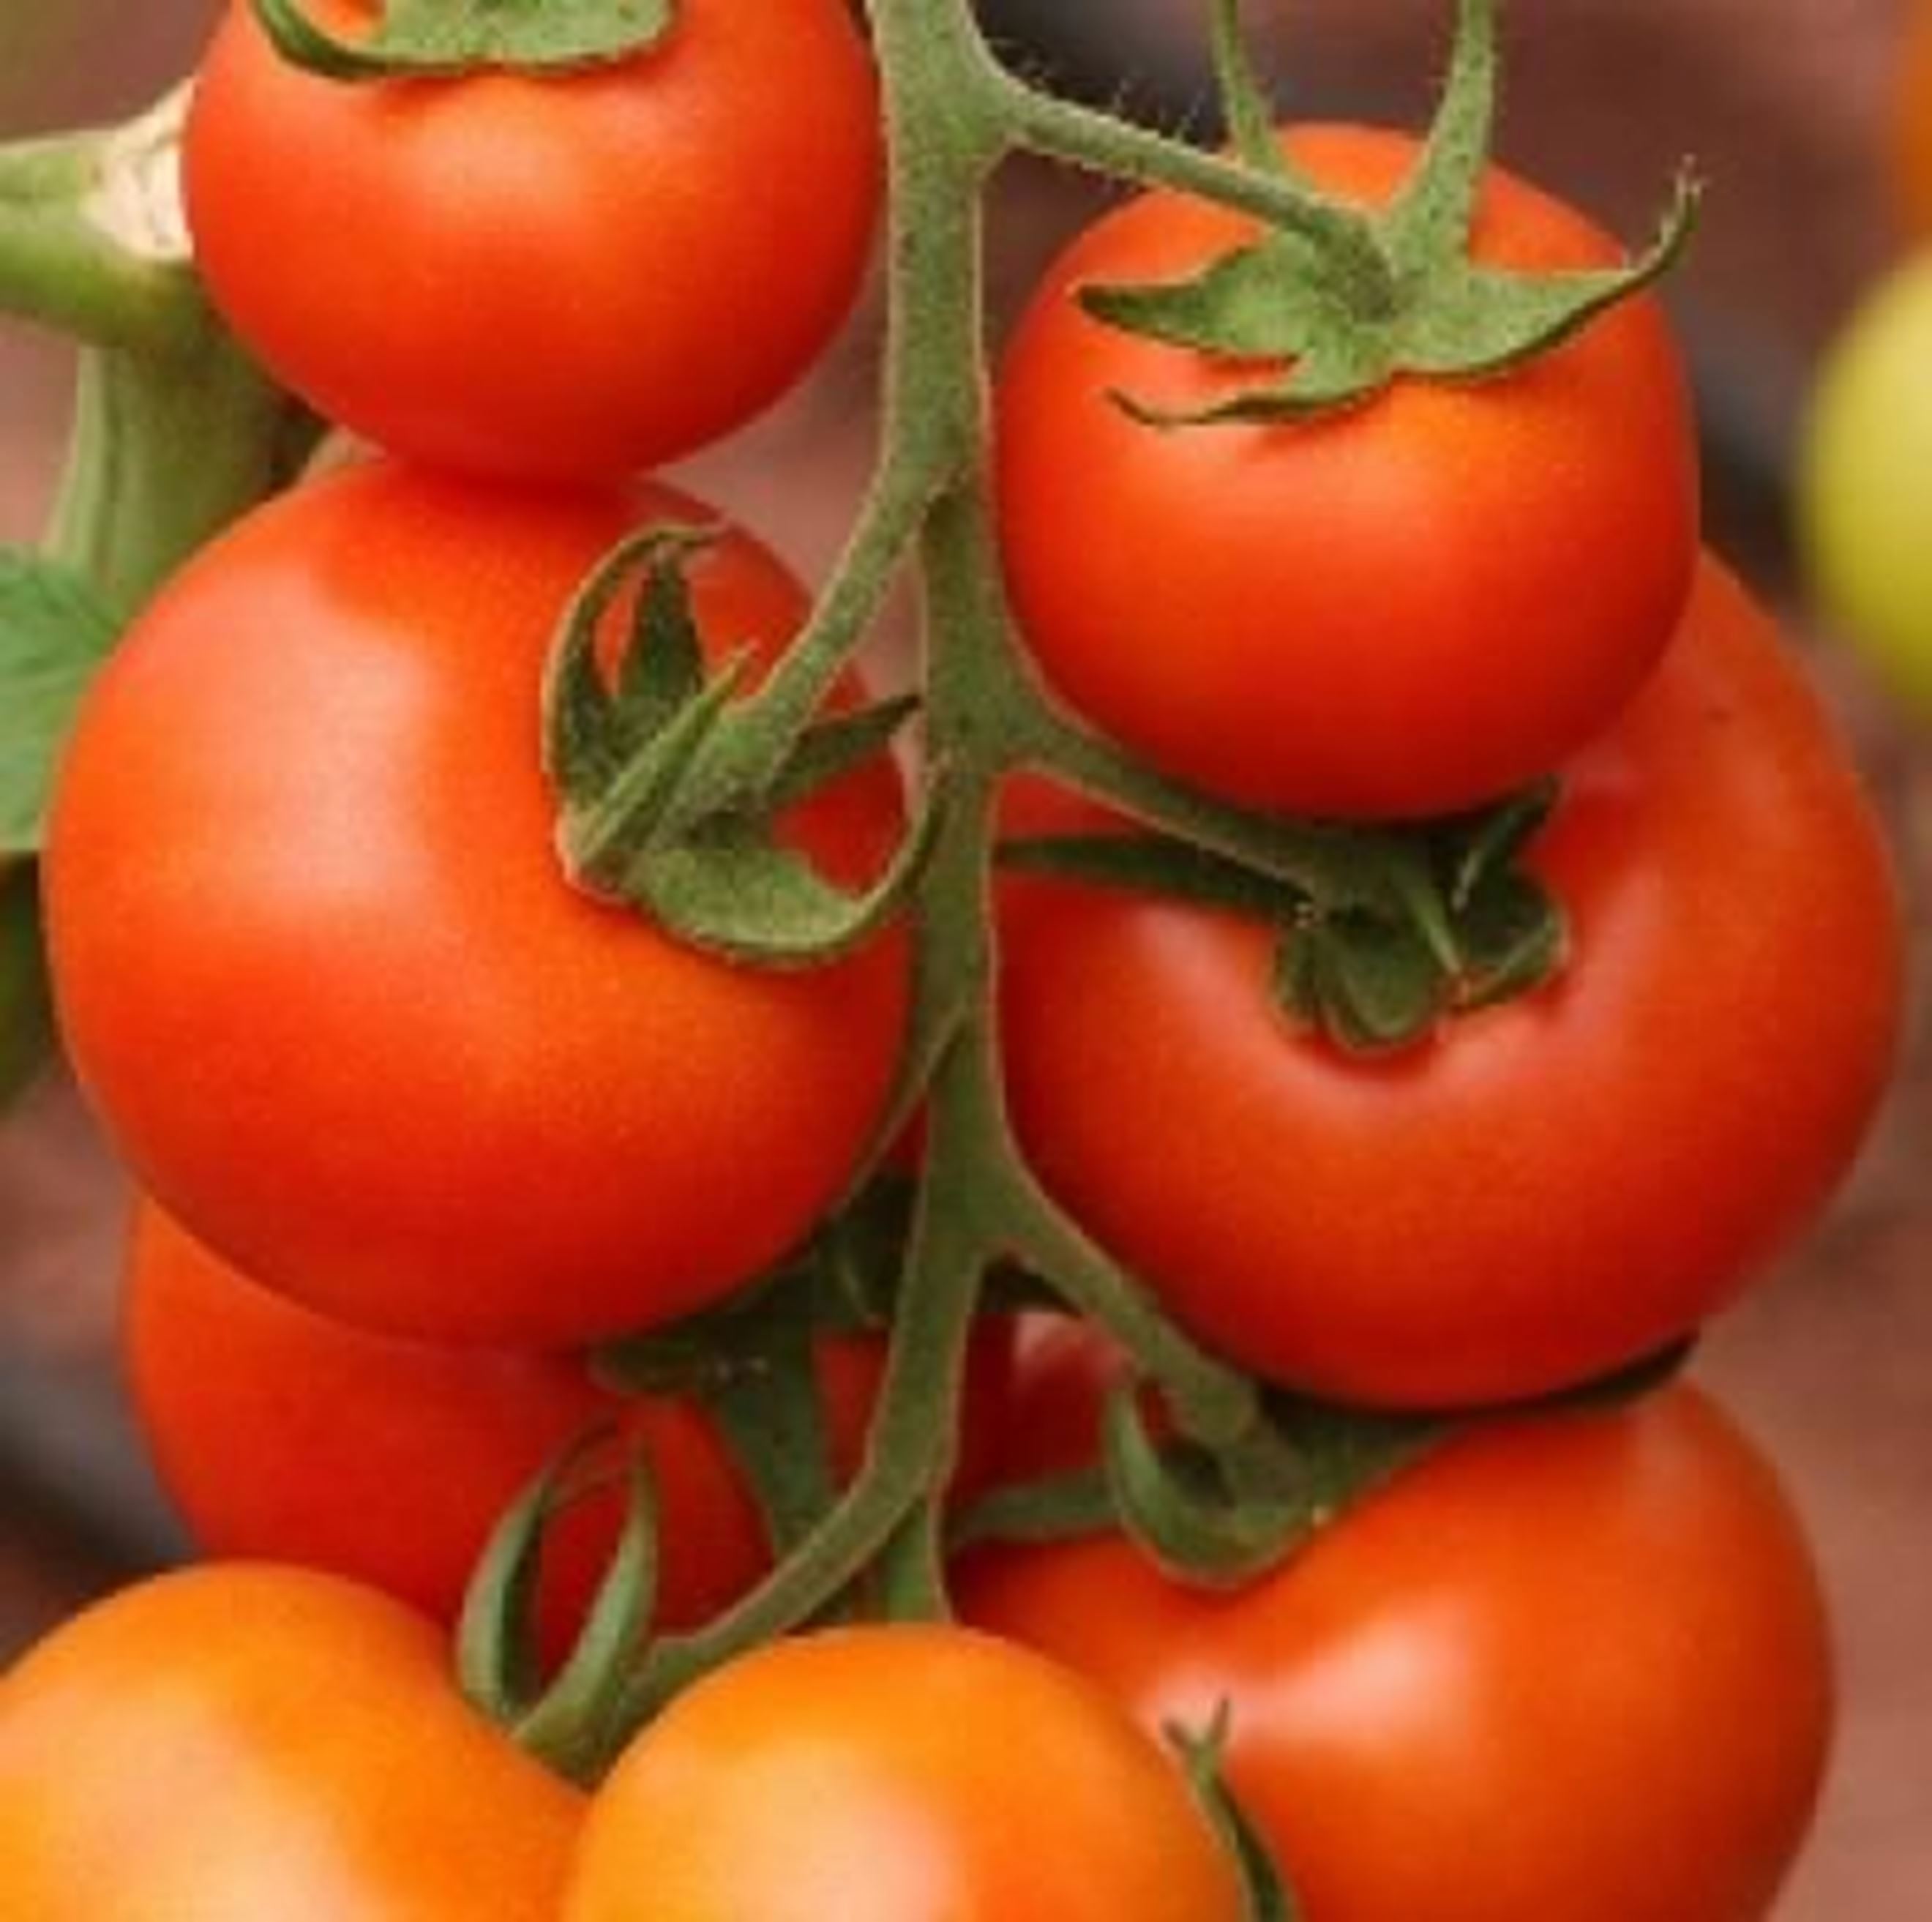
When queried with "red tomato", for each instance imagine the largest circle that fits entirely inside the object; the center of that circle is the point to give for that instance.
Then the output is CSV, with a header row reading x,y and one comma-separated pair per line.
x,y
545,277
391,1461
1546,1189
321,971
261,1742
1571,1667
911,1774
1403,610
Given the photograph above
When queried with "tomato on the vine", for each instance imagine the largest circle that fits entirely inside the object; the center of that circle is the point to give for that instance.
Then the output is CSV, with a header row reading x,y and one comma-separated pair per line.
x,y
1574,1666
574,275
391,1461
1545,1189
1404,609
907,1774
248,1740
321,971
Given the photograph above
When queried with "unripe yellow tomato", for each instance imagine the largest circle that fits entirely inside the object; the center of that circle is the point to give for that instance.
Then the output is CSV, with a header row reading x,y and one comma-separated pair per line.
x,y
1865,483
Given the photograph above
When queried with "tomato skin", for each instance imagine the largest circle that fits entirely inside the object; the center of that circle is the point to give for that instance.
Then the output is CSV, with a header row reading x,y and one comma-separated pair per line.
x,y
564,278
320,969
1402,611
907,1774
390,1462
251,1741
1575,1667
1545,1190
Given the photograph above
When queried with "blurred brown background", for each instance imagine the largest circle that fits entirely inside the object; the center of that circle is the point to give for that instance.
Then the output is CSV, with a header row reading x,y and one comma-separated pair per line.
x,y
1785,103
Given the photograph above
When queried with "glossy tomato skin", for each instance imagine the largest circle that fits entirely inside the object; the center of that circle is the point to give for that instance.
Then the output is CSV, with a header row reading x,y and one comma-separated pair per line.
x,y
285,1436
1545,1190
1576,1666
554,277
1915,122
320,969
908,1774
1404,609
252,1741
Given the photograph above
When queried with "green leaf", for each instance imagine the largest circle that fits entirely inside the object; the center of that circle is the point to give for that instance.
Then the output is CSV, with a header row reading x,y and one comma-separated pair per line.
x,y
419,39
54,635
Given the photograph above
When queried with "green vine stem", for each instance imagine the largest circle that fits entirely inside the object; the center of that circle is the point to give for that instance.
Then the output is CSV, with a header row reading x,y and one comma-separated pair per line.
x,y
176,432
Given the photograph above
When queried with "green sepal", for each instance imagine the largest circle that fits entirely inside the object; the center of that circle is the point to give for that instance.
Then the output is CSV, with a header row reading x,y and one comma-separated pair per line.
x,y
570,1725
1368,985
497,1663
729,889
434,39
1204,1757
1439,918
592,726
26,995
1434,314
634,756
54,636
1055,1507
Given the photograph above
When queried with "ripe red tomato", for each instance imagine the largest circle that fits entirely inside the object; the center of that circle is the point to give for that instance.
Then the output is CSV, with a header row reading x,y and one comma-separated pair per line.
x,y
1574,1667
256,1741
910,1774
581,275
391,1461
323,977
1404,609
1546,1189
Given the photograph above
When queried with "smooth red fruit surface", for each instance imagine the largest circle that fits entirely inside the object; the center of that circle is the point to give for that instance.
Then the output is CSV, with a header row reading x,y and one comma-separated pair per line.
x,y
1403,610
285,1437
576,276
1914,121
910,1774
1546,1189
320,970
1572,1667
250,1742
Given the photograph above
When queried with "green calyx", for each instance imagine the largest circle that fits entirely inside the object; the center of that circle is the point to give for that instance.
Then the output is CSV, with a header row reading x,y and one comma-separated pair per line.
x,y
1426,922
443,39
672,786
1204,1758
1433,312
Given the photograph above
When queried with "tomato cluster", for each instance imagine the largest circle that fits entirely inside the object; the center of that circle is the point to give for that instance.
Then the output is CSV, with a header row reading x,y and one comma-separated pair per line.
x,y
447,1144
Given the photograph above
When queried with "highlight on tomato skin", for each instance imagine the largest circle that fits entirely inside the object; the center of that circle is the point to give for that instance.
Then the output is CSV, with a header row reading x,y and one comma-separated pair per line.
x,y
284,1437
243,1739
1575,1665
564,279
1547,1190
1404,611
351,1025
903,1773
